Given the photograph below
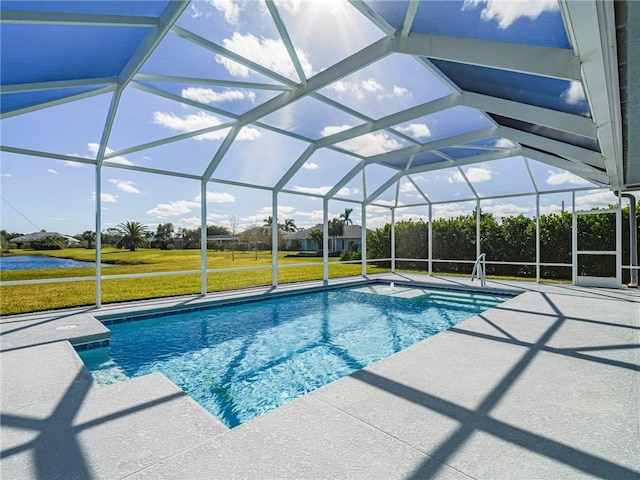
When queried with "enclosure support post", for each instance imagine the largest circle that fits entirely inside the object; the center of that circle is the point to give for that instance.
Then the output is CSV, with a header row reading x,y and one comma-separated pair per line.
x,y
430,246
574,240
619,243
325,240
363,240
478,220
98,236
537,238
274,238
633,239
393,240
203,237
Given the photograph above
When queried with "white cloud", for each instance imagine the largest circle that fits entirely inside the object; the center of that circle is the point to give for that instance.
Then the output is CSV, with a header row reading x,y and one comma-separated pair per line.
x,y
194,221
52,171
602,198
479,174
209,96
228,8
364,88
347,192
417,130
506,12
268,52
198,121
257,219
377,209
371,85
172,209
217,197
365,145
187,222
248,133
574,94
94,147
195,13
332,129
125,185
377,221
407,187
560,178
105,197
6,175
507,209
549,209
450,210
291,6
310,166
189,123
69,163
400,91
474,174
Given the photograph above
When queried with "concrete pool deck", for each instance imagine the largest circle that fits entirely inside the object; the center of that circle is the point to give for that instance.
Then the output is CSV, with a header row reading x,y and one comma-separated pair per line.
x,y
545,385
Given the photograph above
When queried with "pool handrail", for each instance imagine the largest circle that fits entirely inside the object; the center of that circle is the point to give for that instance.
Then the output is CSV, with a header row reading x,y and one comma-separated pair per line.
x,y
480,269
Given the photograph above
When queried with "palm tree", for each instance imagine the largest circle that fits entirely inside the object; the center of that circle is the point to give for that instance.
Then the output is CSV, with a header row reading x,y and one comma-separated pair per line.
x,y
289,226
336,228
89,236
268,221
316,236
345,216
134,236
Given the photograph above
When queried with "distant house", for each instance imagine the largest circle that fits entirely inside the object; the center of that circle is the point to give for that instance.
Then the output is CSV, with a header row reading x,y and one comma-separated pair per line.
x,y
55,237
300,240
222,239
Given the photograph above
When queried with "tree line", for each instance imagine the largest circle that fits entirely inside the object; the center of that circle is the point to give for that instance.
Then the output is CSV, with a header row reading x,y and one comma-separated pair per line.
x,y
513,239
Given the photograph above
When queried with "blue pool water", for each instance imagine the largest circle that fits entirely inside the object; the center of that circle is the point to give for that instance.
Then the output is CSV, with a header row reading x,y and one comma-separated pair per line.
x,y
29,262
240,361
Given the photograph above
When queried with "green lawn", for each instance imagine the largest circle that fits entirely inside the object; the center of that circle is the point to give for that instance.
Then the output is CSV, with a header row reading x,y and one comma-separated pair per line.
x,y
29,298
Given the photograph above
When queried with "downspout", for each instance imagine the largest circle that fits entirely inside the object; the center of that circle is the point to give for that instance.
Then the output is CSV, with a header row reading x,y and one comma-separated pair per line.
x,y
633,245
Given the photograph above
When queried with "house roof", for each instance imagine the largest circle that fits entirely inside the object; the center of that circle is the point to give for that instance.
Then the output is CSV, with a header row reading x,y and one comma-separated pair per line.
x,y
350,231
35,236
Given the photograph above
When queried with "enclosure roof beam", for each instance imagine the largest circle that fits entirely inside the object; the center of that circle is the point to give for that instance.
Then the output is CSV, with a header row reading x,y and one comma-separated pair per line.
x,y
592,29
390,120
286,39
531,59
572,166
56,85
209,81
554,146
70,18
435,145
59,101
564,122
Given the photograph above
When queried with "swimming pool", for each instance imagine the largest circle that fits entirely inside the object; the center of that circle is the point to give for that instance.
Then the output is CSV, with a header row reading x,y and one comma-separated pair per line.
x,y
241,360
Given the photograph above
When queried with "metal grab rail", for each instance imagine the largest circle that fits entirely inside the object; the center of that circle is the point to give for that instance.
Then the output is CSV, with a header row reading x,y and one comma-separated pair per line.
x,y
480,267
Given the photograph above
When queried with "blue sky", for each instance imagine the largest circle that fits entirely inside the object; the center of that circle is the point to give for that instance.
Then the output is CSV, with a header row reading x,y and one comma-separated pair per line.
x,y
59,195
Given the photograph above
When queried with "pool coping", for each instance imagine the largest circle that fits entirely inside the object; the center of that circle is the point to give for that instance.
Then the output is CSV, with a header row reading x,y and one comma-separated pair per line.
x,y
338,402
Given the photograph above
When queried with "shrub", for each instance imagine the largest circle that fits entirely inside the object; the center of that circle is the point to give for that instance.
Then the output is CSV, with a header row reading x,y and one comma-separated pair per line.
x,y
345,256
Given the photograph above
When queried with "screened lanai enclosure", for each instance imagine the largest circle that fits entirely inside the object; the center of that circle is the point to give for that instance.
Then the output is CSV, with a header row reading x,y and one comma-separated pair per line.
x,y
408,116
